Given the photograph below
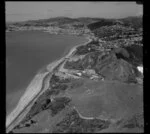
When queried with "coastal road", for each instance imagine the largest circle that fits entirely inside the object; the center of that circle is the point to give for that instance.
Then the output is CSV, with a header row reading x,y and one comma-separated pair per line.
x,y
31,93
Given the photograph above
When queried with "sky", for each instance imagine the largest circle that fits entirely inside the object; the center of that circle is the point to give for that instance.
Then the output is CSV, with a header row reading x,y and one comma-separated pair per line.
x,y
21,11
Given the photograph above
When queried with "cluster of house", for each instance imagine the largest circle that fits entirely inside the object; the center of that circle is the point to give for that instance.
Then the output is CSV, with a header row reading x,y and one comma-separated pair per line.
x,y
52,29
90,73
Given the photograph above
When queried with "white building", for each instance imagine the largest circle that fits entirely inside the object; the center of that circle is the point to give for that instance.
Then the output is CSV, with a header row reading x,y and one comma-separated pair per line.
x,y
140,68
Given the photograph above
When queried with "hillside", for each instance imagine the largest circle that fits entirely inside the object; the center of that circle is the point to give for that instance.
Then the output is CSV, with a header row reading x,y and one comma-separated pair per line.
x,y
98,87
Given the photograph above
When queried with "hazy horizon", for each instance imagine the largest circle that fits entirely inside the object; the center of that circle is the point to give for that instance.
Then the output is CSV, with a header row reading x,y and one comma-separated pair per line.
x,y
23,11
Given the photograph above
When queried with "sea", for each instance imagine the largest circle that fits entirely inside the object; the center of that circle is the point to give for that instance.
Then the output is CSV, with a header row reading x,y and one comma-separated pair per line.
x,y
29,52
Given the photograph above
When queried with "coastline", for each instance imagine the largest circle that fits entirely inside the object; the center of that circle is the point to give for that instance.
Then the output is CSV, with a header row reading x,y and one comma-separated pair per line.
x,y
22,114
35,87
32,90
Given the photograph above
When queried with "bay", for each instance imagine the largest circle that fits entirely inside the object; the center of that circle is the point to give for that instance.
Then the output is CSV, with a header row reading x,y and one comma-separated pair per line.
x,y
27,52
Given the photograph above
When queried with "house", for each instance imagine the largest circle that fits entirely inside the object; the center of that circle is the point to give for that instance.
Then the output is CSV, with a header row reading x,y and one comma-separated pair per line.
x,y
79,74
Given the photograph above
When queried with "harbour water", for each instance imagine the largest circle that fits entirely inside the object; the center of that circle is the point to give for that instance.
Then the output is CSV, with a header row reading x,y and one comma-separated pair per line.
x,y
27,52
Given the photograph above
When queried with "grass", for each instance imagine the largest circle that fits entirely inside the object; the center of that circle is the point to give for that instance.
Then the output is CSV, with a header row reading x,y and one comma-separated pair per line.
x,y
110,99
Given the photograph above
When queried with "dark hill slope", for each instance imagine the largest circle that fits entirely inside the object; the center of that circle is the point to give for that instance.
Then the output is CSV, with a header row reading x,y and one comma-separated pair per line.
x,y
132,54
101,23
135,22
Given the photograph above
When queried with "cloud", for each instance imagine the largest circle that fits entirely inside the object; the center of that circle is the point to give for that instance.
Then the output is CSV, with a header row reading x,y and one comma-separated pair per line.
x,y
123,3
67,10
17,14
116,3
95,2
139,2
50,10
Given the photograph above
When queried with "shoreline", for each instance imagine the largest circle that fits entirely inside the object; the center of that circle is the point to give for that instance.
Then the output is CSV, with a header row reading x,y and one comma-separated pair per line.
x,y
22,114
34,88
